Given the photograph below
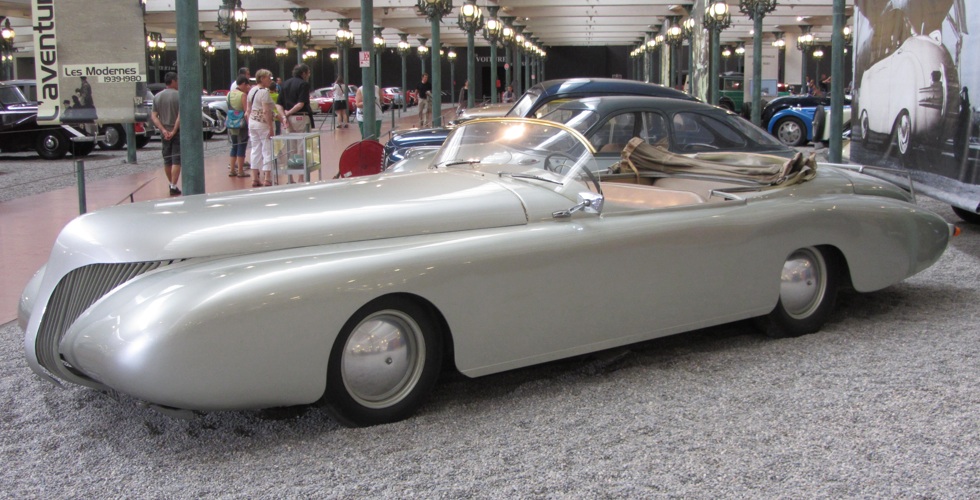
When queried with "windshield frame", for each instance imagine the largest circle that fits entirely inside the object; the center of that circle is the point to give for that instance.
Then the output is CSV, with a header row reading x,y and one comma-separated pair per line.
x,y
549,163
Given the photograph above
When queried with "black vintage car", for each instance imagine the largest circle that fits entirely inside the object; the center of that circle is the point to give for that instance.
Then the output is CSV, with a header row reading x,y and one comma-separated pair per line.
x,y
19,130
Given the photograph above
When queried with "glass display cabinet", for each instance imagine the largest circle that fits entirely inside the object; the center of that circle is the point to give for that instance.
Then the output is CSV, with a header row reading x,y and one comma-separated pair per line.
x,y
297,154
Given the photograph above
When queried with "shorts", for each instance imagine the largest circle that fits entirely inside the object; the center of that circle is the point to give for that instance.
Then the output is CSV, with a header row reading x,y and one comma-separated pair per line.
x,y
239,141
340,105
171,151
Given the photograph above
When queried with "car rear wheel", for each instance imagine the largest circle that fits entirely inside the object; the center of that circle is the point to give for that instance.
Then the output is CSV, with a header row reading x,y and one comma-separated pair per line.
x,y
383,364
791,131
807,291
52,144
902,132
115,137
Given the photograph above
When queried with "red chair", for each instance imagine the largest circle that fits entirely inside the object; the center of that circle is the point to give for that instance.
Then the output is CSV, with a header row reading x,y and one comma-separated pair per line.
x,y
361,158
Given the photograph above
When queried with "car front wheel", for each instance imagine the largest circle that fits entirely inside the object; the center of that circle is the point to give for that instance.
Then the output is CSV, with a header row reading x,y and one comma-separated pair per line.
x,y
115,137
807,291
791,131
903,132
52,144
383,364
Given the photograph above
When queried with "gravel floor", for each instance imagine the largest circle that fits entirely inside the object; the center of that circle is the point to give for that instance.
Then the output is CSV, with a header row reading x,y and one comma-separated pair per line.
x,y
884,402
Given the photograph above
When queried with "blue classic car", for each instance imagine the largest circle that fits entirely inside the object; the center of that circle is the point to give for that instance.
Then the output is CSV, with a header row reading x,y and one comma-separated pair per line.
x,y
534,104
796,120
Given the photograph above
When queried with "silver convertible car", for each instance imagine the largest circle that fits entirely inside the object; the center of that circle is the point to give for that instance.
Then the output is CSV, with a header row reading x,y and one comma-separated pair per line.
x,y
511,251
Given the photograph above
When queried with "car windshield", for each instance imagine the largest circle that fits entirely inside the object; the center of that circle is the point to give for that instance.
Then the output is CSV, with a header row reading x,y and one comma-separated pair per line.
x,y
546,154
12,95
578,119
524,104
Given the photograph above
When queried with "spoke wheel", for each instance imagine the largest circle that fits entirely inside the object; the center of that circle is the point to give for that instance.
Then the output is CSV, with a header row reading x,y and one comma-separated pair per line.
x,y
807,291
791,132
383,364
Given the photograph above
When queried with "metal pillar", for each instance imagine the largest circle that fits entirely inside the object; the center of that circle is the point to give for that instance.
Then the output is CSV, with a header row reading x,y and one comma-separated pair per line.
x,y
837,84
714,67
367,74
757,71
191,133
436,74
471,69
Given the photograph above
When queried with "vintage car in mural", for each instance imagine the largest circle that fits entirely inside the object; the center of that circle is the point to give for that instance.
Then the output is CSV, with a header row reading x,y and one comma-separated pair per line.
x,y
20,131
913,95
356,293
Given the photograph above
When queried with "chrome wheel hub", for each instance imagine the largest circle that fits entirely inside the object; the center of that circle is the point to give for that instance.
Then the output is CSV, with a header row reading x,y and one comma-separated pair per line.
x,y
383,359
789,133
803,283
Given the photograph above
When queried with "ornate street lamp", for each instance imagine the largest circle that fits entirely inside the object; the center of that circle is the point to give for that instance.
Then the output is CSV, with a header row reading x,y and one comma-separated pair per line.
x,y
379,47
673,38
756,10
818,54
470,20
7,44
452,74
717,17
423,51
434,11
845,32
518,58
804,43
526,59
403,49
335,59
299,31
207,50
492,32
281,54
507,39
651,45
345,39
246,49
157,47
780,44
232,22
689,29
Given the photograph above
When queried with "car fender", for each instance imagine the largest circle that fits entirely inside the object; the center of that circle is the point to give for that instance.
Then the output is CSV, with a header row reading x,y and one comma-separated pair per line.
x,y
806,118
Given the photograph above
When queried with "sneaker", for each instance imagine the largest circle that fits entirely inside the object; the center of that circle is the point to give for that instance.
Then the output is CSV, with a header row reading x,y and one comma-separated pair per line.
x,y
174,190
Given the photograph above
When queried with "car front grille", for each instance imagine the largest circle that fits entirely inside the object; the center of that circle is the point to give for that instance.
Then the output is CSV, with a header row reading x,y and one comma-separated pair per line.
x,y
75,293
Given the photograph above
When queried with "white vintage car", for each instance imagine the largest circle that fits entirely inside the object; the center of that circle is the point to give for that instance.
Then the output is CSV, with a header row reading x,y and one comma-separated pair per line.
x,y
509,252
913,95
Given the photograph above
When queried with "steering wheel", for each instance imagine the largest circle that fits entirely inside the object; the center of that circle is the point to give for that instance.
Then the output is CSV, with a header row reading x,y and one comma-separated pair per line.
x,y
555,167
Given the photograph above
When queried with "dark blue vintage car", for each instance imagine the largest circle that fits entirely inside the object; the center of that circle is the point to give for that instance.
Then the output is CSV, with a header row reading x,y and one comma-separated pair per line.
x,y
535,103
797,120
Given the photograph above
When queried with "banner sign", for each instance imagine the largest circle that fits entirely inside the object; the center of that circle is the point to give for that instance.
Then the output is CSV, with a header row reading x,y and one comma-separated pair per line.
x,y
83,78
914,66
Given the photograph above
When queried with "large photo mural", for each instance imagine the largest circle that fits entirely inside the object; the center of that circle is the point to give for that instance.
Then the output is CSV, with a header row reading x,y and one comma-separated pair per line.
x,y
915,63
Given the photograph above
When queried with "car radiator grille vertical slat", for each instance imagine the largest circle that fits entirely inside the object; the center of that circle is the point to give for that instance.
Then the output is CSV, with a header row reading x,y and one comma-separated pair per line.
x,y
75,293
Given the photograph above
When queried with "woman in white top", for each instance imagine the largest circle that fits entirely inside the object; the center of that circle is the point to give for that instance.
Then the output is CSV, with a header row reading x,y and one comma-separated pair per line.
x,y
378,113
260,110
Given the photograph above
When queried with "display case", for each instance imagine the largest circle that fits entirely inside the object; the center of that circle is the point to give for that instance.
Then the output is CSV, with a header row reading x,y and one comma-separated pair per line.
x,y
297,154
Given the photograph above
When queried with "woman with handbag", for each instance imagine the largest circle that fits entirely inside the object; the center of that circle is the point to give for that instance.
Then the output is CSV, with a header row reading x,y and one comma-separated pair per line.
x,y
260,111
237,127
340,103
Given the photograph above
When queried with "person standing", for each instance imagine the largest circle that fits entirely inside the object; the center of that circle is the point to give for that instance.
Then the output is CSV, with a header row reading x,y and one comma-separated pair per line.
x,y
295,100
238,136
425,102
508,95
259,112
464,94
166,117
378,113
340,103
243,71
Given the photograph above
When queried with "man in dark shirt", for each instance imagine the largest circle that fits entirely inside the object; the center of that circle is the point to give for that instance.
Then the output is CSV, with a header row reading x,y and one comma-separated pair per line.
x,y
425,102
295,100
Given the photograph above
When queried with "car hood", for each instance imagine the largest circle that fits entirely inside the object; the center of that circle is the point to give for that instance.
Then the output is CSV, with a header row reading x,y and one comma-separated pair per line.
x,y
260,220
423,137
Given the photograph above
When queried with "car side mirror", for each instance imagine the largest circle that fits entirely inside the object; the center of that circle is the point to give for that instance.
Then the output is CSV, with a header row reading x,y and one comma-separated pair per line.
x,y
590,203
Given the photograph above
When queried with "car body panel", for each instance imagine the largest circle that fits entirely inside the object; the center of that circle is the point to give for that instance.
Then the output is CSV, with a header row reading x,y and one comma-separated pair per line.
x,y
253,287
